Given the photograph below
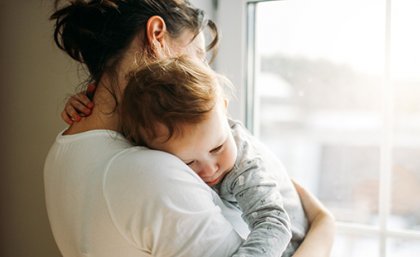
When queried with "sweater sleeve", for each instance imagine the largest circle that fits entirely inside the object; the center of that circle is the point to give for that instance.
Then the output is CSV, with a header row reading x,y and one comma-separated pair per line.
x,y
163,208
262,205
258,195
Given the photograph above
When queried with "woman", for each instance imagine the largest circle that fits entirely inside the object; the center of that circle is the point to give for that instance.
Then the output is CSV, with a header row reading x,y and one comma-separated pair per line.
x,y
107,198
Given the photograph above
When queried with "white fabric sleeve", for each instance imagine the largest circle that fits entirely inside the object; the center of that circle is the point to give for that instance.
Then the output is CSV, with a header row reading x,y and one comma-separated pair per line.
x,y
163,208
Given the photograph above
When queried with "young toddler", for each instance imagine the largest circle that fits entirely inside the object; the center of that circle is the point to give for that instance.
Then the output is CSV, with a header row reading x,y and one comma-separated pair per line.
x,y
179,106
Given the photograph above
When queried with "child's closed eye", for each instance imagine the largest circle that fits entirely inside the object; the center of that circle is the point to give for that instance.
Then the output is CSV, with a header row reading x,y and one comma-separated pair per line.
x,y
190,163
217,149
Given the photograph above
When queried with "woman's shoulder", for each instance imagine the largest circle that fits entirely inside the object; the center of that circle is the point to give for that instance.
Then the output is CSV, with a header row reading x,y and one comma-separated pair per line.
x,y
142,167
141,159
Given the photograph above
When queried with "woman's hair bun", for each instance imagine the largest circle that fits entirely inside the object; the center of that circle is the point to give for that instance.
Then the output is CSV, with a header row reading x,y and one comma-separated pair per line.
x,y
79,27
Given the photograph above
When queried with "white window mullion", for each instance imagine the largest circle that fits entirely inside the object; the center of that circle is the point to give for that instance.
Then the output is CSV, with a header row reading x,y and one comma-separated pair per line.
x,y
357,229
368,230
405,234
387,139
231,17
251,120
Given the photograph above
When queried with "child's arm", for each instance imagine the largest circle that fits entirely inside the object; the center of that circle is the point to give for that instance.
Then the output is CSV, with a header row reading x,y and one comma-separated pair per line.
x,y
260,200
320,237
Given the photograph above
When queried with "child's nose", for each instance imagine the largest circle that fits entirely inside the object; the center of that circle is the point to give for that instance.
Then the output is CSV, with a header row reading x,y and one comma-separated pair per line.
x,y
209,169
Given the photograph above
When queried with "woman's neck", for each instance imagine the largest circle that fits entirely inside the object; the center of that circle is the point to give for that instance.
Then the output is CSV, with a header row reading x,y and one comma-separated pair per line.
x,y
105,114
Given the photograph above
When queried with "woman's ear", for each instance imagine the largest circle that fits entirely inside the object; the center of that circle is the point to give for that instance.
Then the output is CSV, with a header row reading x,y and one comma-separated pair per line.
x,y
226,103
155,32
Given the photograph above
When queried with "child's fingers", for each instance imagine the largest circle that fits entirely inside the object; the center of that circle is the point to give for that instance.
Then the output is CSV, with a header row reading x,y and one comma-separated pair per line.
x,y
81,103
72,113
90,90
66,118
84,99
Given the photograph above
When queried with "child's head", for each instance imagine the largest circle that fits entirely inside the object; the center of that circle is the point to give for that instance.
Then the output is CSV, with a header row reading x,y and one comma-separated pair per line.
x,y
178,106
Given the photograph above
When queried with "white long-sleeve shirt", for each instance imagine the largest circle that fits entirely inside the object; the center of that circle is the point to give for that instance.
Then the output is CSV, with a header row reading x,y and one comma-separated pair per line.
x,y
107,198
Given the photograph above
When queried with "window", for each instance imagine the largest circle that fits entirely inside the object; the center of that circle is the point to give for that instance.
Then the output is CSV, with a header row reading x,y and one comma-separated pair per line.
x,y
333,88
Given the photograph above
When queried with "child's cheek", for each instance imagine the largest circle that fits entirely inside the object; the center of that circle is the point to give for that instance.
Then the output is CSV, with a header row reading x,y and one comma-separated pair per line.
x,y
231,156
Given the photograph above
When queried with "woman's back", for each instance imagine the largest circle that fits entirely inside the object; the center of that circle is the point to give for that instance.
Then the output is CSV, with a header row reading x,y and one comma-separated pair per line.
x,y
75,203
107,198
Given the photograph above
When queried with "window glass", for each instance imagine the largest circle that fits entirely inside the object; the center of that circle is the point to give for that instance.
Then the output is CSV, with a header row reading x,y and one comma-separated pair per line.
x,y
319,97
403,247
405,74
355,246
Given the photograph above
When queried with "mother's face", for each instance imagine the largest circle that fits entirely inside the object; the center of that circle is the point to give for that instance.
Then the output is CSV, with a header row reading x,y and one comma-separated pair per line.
x,y
186,44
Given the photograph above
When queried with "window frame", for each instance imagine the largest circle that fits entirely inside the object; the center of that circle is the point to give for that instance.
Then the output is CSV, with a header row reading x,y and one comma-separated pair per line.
x,y
236,59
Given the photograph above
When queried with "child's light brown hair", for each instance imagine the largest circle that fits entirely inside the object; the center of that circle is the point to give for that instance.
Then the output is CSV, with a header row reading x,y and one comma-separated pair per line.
x,y
171,92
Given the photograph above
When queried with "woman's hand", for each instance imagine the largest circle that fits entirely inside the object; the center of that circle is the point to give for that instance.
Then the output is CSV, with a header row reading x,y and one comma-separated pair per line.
x,y
79,105
319,240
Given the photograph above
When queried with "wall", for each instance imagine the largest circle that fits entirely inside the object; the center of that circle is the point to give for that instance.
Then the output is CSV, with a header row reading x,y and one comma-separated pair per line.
x,y
35,78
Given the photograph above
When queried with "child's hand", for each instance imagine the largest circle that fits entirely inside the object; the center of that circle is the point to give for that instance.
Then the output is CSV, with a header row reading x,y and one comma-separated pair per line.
x,y
79,105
